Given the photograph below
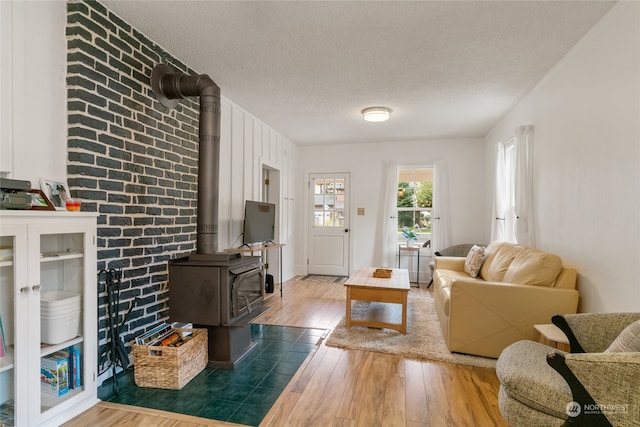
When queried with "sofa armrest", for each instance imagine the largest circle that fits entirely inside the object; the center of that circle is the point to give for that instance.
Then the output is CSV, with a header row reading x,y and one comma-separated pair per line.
x,y
485,317
449,263
594,332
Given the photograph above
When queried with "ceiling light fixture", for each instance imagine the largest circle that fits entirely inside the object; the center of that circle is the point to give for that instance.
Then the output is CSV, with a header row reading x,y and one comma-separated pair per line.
x,y
376,114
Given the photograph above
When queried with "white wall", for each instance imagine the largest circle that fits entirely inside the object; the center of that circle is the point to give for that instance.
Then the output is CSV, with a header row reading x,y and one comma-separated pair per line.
x,y
34,106
366,165
34,122
586,117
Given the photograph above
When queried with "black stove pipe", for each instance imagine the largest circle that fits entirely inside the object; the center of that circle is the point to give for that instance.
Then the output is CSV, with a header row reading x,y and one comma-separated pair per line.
x,y
170,86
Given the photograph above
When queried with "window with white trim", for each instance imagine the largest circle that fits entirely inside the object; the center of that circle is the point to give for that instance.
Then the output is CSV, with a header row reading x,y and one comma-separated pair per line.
x,y
415,201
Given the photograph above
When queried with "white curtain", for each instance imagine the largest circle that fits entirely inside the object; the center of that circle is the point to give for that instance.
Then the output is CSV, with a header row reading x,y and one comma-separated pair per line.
x,y
499,196
390,217
523,183
440,214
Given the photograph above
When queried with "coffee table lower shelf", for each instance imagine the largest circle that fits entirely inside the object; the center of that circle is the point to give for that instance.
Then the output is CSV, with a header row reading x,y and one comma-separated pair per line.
x,y
381,315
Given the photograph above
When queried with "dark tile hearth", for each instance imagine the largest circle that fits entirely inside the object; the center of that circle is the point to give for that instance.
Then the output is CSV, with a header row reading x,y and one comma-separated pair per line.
x,y
242,395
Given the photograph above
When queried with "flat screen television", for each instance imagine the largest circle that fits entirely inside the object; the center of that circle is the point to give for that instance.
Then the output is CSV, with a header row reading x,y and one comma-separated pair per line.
x,y
259,222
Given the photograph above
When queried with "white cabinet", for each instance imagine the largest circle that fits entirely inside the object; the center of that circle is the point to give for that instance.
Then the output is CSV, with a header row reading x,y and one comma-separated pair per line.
x,y
43,252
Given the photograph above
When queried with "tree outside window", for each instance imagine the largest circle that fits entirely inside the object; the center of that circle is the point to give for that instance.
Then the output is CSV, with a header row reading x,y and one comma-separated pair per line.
x,y
415,199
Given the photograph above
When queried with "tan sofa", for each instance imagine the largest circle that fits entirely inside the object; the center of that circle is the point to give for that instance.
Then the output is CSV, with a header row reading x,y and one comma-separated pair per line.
x,y
517,287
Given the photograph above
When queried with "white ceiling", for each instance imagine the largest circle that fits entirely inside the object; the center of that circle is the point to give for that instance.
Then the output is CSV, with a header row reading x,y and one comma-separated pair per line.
x,y
447,69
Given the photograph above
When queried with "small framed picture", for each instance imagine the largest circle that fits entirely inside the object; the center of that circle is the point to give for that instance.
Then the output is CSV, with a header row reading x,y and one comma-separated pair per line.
x,y
40,202
56,192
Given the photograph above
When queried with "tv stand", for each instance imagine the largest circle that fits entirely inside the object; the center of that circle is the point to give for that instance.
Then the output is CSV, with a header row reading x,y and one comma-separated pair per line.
x,y
259,248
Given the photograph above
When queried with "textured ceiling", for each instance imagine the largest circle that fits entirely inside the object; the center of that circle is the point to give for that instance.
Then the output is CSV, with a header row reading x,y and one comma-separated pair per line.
x,y
447,69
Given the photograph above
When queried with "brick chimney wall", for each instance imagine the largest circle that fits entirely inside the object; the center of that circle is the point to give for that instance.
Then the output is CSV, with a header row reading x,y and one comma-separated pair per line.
x,y
130,159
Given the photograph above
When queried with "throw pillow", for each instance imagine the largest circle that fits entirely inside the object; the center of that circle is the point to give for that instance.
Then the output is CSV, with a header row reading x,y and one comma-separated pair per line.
x,y
474,261
628,340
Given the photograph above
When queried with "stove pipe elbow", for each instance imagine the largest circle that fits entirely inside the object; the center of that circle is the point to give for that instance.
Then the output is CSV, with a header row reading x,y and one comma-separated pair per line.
x,y
169,87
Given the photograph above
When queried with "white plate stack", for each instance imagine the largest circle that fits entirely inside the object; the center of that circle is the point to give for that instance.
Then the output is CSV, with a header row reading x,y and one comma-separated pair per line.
x,y
59,316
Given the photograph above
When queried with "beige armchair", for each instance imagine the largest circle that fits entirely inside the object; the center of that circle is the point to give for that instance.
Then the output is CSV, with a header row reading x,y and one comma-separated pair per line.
x,y
541,386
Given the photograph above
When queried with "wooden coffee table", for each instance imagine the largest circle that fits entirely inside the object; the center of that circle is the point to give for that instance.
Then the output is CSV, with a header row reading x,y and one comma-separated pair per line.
x,y
362,286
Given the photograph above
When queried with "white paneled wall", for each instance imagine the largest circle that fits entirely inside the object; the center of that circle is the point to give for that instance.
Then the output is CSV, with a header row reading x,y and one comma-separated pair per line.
x,y
246,145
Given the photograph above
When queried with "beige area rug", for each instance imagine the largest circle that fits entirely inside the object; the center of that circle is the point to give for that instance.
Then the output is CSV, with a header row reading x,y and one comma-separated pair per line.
x,y
423,340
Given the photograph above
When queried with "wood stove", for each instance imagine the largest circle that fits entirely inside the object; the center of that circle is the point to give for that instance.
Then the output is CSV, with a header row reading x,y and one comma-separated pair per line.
x,y
221,293
218,291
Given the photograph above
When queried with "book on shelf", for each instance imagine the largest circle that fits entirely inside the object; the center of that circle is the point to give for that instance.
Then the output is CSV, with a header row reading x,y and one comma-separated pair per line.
x,y
77,366
54,374
73,353
73,358
66,353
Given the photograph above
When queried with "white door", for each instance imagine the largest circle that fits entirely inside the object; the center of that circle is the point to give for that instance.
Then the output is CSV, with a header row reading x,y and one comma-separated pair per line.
x,y
329,224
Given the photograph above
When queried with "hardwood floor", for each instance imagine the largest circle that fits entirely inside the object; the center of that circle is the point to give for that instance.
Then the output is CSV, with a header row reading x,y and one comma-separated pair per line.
x,y
107,414
336,387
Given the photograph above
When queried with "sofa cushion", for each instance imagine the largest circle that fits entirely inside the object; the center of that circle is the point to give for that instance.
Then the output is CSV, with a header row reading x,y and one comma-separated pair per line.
x,y
474,260
498,257
628,340
533,267
526,377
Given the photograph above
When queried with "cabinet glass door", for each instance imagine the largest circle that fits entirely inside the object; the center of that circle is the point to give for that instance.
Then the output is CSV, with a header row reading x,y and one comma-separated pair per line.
x,y
61,295
12,247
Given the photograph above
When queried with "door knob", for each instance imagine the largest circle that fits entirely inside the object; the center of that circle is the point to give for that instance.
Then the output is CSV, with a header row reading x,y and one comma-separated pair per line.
x,y
346,230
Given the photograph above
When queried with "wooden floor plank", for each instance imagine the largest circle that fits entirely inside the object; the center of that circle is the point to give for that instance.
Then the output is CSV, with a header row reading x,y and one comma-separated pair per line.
x,y
326,409
393,413
306,413
416,397
374,386
358,363
437,404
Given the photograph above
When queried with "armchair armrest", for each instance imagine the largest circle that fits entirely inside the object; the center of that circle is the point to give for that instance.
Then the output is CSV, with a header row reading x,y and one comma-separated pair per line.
x,y
593,332
609,381
581,397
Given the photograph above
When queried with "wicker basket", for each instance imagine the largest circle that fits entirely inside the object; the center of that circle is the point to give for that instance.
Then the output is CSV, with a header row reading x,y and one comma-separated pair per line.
x,y
382,273
171,367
